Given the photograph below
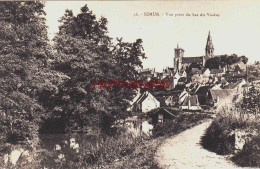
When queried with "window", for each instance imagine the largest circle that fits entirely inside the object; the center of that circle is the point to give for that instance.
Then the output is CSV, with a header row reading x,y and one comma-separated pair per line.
x,y
160,118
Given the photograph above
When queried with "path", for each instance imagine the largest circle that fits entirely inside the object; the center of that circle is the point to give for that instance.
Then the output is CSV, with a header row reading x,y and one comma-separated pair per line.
x,y
185,151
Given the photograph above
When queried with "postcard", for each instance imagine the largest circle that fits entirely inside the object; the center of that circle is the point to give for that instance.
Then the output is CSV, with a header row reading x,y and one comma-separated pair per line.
x,y
130,84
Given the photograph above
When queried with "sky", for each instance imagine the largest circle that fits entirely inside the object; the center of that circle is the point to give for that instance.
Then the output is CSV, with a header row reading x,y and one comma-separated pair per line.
x,y
236,29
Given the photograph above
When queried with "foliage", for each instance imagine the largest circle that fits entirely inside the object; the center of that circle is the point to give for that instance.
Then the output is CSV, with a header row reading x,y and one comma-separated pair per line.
x,y
219,136
47,88
85,53
179,124
224,60
250,154
26,79
251,101
101,151
219,139
122,150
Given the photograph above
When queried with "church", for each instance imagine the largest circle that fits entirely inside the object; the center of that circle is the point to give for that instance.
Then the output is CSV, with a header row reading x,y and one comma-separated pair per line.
x,y
181,62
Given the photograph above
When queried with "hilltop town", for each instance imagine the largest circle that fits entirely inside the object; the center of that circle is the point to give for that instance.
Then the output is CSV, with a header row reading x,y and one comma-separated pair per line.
x,y
198,83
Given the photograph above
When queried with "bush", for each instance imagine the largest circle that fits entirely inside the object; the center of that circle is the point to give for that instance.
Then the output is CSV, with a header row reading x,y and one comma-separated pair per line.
x,y
219,139
179,124
166,128
249,156
219,136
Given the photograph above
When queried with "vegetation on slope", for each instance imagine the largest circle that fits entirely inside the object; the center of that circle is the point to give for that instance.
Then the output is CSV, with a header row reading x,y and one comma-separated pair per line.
x,y
220,136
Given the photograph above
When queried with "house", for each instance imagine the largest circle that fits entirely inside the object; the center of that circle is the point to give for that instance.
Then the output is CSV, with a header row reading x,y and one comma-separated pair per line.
x,y
217,96
223,81
237,86
176,78
205,75
169,71
217,72
171,100
182,81
196,75
182,96
160,115
197,78
191,103
206,72
239,66
193,87
145,102
148,74
195,71
167,98
217,86
183,73
172,80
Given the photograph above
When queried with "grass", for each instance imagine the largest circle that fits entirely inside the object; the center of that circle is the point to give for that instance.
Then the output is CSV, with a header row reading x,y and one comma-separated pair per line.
x,y
141,157
122,151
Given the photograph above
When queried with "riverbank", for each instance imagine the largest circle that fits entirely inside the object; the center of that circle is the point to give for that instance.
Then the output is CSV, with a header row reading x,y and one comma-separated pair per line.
x,y
124,150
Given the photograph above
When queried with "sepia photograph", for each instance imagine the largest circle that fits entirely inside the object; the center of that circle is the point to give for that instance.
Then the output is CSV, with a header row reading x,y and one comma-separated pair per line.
x,y
130,84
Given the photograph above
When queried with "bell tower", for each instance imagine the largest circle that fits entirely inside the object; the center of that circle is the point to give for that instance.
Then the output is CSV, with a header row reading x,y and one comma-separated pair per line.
x,y
179,52
209,50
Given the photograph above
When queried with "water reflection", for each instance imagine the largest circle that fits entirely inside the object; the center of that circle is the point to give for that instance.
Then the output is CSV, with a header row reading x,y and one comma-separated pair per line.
x,y
65,147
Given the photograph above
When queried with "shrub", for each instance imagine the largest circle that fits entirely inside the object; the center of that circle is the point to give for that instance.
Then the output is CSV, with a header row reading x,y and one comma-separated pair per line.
x,y
179,124
165,128
250,155
219,136
219,139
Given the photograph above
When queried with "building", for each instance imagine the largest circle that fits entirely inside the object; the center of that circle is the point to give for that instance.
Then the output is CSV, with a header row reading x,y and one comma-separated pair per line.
x,y
145,102
238,67
215,96
182,96
181,62
209,50
148,74
161,115
170,101
191,103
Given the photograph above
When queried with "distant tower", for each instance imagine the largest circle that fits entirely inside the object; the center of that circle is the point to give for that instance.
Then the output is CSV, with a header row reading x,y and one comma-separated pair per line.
x,y
209,51
179,52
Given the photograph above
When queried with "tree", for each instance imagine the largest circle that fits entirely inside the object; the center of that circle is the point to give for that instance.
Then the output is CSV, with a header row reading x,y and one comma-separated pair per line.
x,y
244,59
85,53
214,63
223,60
26,79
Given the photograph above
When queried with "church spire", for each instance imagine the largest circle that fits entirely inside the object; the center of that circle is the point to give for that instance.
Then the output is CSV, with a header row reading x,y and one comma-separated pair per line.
x,y
209,51
209,36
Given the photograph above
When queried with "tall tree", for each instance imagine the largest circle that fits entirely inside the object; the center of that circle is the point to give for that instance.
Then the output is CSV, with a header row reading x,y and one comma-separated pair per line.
x,y
85,54
26,80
